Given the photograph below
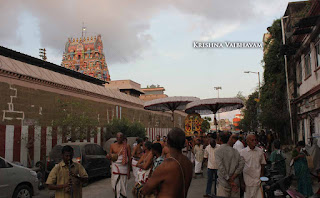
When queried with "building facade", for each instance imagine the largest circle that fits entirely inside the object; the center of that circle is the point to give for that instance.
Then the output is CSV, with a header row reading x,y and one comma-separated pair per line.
x,y
86,56
126,86
153,92
302,36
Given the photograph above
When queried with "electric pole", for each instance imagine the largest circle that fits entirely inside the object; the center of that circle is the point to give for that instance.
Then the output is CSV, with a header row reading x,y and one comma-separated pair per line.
x,y
42,53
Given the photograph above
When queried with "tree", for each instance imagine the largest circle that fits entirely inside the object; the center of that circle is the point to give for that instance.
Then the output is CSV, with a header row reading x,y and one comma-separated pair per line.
x,y
75,120
205,125
274,111
241,96
250,119
129,129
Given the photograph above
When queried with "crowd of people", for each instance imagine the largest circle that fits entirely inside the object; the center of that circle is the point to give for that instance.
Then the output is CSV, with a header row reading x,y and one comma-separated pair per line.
x,y
234,164
166,166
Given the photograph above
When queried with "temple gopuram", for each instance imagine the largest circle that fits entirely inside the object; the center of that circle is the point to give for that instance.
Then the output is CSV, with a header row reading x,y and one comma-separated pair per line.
x,y
85,55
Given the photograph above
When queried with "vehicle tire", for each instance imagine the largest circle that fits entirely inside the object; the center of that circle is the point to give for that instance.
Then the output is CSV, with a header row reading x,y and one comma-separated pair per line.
x,y
22,191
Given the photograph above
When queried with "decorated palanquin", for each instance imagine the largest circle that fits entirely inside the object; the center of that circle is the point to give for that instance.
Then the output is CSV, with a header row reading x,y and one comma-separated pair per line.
x,y
85,55
192,123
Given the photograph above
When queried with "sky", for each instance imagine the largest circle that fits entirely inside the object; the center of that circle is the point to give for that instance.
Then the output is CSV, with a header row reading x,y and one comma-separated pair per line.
x,y
152,42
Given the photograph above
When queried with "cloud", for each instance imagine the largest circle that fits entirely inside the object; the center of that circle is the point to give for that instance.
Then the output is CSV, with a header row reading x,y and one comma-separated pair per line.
x,y
122,24
219,32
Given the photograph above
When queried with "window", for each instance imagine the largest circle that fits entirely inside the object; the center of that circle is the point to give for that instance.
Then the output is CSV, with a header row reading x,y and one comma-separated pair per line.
x,y
56,153
92,149
318,55
307,65
299,73
2,163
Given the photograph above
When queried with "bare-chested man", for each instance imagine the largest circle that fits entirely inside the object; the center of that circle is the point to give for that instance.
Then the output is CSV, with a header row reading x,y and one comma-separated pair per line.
x,y
158,140
164,140
136,155
174,175
165,152
120,167
145,163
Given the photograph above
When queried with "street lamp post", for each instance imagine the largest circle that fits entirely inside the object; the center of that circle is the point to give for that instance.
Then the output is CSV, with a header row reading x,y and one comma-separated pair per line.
x,y
287,78
248,72
217,88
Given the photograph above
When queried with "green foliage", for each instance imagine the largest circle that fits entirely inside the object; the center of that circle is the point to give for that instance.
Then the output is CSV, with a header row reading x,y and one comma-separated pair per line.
x,y
250,119
273,99
129,129
205,125
75,120
208,118
241,96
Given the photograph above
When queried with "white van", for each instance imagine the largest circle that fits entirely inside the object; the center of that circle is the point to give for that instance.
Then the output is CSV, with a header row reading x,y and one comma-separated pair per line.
x,y
17,181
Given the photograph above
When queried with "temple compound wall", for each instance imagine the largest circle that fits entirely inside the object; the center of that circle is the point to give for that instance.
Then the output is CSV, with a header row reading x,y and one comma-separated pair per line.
x,y
33,94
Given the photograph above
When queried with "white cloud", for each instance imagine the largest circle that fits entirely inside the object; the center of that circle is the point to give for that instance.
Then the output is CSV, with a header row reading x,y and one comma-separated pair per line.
x,y
219,31
123,24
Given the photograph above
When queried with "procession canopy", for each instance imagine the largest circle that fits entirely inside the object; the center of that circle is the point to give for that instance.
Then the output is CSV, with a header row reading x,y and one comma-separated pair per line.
x,y
214,105
169,103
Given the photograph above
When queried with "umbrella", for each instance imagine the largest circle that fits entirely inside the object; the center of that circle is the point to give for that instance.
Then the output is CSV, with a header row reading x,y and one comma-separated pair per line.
x,y
214,105
169,104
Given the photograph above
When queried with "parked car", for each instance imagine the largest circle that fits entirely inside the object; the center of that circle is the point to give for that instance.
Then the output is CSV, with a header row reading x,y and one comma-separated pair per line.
x,y
17,181
90,155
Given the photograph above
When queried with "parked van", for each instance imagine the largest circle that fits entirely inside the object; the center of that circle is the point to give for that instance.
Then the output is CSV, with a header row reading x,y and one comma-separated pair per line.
x,y
17,181
90,155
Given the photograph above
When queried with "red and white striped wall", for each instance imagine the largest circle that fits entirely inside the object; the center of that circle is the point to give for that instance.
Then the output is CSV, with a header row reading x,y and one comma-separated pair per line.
x,y
153,132
14,141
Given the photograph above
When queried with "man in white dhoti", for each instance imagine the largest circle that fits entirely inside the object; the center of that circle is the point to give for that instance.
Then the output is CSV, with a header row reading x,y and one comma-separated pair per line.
x,y
199,154
120,153
253,168
136,154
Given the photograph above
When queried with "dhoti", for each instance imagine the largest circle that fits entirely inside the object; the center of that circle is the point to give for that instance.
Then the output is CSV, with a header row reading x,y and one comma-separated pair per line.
x,y
197,167
253,192
119,178
135,170
192,157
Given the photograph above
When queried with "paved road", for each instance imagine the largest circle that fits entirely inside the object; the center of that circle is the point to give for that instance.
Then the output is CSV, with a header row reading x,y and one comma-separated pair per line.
x,y
101,187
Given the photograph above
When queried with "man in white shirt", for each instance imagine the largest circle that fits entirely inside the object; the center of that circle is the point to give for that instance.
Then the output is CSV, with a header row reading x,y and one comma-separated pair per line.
x,y
253,168
198,153
212,167
238,145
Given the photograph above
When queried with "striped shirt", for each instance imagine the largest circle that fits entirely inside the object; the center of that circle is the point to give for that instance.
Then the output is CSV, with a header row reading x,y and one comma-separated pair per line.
x,y
209,153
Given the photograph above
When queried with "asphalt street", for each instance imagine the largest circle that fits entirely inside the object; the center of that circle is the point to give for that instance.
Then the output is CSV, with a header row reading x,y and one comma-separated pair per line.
x,y
101,187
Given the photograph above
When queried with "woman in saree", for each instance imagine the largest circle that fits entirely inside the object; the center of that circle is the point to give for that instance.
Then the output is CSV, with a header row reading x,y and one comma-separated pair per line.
x,y
301,169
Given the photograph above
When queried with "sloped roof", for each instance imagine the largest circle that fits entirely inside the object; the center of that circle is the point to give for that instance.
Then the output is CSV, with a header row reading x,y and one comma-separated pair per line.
x,y
47,65
124,85
29,70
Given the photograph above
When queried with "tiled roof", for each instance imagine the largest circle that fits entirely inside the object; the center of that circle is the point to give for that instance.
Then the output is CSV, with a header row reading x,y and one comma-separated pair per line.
x,y
29,70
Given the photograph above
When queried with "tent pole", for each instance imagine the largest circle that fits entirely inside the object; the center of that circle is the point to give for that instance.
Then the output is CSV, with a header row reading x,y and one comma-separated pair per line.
x,y
216,122
173,119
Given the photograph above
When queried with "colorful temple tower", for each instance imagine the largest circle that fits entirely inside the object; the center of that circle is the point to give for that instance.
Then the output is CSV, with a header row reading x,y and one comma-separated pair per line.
x,y
85,55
